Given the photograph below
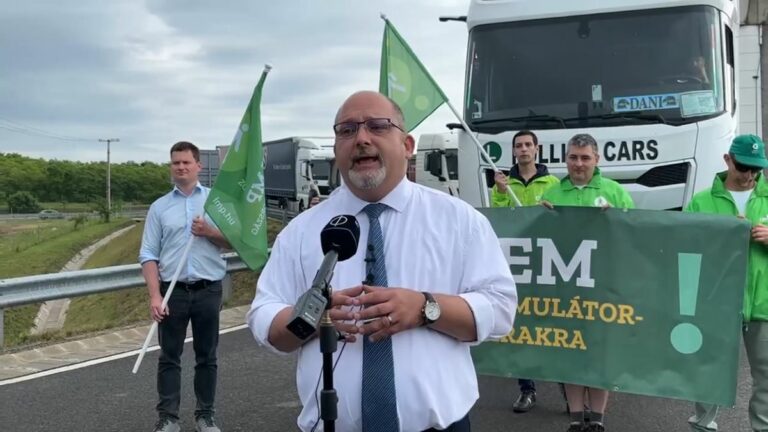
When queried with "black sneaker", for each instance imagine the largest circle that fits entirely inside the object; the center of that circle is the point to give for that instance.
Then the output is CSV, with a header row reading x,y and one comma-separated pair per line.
x,y
594,427
576,427
524,402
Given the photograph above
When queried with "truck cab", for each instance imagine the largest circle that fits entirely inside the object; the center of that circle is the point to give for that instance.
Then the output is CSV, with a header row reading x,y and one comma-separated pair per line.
x,y
437,159
652,80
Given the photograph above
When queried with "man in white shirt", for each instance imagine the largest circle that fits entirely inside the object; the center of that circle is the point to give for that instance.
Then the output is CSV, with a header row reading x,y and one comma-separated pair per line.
x,y
448,286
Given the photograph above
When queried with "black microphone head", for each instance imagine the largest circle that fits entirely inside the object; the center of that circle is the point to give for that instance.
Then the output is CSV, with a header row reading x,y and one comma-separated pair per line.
x,y
341,235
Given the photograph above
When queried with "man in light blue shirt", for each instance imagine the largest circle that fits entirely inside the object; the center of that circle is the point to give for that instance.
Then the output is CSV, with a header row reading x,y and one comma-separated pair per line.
x,y
172,221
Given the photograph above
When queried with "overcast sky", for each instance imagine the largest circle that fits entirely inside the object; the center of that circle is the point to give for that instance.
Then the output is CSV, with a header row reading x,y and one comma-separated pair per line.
x,y
158,71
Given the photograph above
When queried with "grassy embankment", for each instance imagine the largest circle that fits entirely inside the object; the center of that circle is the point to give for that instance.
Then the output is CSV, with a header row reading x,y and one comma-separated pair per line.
x,y
130,306
31,247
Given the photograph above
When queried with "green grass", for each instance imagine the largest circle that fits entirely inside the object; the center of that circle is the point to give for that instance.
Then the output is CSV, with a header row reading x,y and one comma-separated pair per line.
x,y
115,309
130,306
48,255
19,235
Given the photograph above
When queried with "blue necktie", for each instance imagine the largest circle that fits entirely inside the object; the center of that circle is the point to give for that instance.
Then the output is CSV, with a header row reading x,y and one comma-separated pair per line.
x,y
379,399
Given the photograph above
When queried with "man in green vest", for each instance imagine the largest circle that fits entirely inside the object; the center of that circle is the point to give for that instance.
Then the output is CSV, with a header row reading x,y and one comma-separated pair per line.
x,y
528,180
584,186
742,191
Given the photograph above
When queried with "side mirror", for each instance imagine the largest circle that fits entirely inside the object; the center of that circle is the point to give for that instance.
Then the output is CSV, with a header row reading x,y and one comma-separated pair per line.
x,y
334,177
434,164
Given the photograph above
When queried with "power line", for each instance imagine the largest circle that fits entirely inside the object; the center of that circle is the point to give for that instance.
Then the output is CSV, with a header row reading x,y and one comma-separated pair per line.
x,y
17,127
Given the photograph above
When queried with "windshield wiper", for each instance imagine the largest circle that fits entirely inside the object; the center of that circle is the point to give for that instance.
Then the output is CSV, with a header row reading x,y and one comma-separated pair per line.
x,y
656,118
536,117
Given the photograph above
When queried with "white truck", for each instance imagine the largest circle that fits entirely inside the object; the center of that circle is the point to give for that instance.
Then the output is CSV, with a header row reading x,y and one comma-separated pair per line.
x,y
293,166
322,162
437,162
654,81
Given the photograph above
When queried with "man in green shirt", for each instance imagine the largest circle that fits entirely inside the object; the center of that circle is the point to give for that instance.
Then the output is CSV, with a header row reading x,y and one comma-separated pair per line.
x,y
527,179
584,186
742,191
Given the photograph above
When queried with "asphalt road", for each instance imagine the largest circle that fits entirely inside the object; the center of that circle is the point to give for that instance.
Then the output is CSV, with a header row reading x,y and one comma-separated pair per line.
x,y
257,393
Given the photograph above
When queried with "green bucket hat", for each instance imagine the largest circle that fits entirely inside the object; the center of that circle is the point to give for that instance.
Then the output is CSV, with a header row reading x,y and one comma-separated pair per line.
x,y
749,150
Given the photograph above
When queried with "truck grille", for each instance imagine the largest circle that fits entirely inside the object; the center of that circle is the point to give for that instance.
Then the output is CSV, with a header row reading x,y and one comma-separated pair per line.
x,y
665,175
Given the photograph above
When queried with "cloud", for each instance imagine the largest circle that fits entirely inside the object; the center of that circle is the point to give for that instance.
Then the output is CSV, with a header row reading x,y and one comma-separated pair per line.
x,y
152,73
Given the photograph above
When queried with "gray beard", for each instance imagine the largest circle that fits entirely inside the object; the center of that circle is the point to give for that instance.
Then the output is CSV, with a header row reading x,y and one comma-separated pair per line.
x,y
369,180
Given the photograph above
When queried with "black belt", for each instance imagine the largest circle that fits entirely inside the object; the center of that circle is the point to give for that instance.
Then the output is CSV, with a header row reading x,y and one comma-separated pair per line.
x,y
190,286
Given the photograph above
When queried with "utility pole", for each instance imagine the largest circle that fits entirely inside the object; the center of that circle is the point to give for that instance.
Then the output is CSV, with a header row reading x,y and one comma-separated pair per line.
x,y
109,182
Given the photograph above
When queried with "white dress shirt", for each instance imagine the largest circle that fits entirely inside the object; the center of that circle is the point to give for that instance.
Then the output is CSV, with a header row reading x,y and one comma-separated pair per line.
x,y
432,242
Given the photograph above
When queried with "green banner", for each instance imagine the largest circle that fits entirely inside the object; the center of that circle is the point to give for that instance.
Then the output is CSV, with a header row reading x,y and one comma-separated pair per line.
x,y
638,301
236,202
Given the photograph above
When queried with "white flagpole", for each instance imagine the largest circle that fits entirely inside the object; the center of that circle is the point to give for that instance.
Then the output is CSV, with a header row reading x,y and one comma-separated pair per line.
x,y
153,329
482,150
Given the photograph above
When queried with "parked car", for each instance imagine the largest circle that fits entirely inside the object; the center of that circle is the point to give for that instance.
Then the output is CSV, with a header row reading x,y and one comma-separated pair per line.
x,y
50,214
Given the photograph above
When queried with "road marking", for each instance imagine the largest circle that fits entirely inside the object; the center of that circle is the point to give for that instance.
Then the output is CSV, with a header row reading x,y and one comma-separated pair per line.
x,y
100,360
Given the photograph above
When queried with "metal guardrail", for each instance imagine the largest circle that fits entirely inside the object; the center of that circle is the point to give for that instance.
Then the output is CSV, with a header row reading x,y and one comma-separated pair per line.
x,y
39,288
283,215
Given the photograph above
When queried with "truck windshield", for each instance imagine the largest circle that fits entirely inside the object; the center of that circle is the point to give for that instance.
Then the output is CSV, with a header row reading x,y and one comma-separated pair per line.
x,y
321,169
629,68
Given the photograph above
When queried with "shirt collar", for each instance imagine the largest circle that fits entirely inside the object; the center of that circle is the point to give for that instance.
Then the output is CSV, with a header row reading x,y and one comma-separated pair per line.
x,y
198,187
397,199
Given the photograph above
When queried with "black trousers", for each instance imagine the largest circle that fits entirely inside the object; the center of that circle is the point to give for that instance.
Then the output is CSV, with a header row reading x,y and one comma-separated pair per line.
x,y
199,303
459,426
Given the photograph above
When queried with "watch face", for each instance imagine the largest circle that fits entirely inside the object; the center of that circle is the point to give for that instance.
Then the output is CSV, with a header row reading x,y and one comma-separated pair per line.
x,y
432,311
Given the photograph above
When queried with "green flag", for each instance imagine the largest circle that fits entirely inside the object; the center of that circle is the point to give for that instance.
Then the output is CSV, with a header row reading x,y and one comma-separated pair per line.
x,y
404,79
236,203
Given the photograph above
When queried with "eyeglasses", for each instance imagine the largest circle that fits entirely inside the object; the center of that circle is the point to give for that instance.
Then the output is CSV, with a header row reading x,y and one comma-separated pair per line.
x,y
376,126
744,168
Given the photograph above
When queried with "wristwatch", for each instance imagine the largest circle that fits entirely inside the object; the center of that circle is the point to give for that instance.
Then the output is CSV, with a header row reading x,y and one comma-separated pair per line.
x,y
431,310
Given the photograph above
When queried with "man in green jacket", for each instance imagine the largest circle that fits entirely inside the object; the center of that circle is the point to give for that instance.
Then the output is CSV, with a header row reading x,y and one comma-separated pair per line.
x,y
742,191
584,186
527,179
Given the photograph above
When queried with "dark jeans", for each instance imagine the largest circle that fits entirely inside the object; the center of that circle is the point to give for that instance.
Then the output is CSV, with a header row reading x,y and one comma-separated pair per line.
x,y
459,426
526,385
199,303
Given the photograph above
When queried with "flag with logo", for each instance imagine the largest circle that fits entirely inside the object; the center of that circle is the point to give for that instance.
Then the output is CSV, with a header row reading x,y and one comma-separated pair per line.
x,y
236,202
406,81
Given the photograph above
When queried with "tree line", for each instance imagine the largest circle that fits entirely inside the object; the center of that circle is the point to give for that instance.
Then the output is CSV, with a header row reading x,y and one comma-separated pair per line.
x,y
80,182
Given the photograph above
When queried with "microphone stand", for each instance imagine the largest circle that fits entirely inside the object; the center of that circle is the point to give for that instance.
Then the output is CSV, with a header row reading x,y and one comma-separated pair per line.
x,y
328,341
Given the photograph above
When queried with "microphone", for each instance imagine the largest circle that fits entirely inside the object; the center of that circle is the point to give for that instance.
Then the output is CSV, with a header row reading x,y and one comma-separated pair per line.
x,y
339,241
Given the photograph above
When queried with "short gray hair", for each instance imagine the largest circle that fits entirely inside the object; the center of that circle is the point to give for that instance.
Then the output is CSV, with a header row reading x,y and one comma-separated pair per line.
x,y
584,140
